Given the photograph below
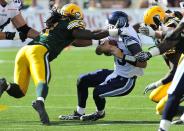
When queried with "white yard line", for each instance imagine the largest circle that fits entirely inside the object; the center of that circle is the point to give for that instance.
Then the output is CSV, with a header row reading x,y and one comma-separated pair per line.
x,y
71,107
6,61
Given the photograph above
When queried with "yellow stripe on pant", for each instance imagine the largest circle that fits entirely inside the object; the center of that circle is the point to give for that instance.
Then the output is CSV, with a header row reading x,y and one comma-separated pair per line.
x,y
31,61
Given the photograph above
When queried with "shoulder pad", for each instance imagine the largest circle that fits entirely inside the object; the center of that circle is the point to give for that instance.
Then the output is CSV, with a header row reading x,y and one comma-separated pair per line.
x,y
76,24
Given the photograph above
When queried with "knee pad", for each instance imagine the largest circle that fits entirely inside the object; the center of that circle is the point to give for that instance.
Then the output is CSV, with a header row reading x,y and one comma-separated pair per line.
x,y
15,91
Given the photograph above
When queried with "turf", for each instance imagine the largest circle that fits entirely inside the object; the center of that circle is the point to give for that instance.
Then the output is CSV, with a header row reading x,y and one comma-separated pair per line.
x,y
134,112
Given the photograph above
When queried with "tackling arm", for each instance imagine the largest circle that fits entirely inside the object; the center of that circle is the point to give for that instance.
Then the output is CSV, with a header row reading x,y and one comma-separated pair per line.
x,y
97,35
134,49
82,43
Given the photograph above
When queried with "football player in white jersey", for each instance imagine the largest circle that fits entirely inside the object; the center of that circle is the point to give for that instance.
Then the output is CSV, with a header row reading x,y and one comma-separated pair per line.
x,y
9,11
110,83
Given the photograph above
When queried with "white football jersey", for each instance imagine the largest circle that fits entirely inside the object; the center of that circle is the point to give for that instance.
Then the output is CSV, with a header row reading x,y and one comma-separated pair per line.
x,y
121,67
8,12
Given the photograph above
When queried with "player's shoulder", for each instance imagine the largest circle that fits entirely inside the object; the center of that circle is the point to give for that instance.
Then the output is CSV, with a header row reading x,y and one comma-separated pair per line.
x,y
76,24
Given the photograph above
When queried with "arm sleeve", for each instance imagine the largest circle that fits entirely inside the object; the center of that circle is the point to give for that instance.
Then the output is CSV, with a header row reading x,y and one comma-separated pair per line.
x,y
169,77
88,35
134,48
172,61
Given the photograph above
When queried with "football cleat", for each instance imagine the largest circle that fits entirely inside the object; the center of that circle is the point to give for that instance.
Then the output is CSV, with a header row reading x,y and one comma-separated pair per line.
x,y
92,117
177,122
40,108
3,85
160,129
74,116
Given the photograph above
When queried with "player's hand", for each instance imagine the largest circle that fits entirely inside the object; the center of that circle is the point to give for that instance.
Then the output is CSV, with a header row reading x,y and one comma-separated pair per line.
x,y
143,56
150,87
147,30
10,35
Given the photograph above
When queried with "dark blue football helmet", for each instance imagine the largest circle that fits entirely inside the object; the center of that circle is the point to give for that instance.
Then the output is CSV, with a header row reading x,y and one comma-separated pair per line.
x,y
118,19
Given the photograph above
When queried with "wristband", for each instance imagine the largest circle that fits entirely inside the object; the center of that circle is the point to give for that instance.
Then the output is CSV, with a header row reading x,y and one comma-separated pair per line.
x,y
154,51
95,42
130,59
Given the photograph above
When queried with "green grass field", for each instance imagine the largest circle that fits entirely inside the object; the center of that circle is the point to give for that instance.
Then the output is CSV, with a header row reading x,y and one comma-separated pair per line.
x,y
134,112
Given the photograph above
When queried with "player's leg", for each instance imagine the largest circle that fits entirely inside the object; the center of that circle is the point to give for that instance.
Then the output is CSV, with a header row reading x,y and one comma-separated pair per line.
x,y
161,104
160,92
114,86
175,92
85,81
21,76
40,72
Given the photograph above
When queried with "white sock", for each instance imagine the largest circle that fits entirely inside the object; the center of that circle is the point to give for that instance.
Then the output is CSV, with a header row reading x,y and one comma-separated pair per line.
x,y
165,124
40,99
100,112
182,117
80,110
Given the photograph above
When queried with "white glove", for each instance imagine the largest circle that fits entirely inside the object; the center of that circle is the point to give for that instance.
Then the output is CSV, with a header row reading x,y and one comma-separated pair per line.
x,y
147,30
152,86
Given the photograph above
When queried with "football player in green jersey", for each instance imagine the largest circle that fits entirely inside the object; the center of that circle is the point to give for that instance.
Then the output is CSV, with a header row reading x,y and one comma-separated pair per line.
x,y
64,27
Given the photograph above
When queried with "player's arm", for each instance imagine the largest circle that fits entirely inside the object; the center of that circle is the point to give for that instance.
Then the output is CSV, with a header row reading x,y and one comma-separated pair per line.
x,y
24,30
170,40
109,49
7,35
88,35
135,49
81,43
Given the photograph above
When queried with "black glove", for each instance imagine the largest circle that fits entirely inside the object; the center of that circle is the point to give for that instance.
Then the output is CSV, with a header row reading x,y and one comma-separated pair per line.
x,y
10,35
22,36
143,56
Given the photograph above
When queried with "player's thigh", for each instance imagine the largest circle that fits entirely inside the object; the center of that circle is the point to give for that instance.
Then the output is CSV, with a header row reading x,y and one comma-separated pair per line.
x,y
177,87
95,78
160,92
118,86
39,63
21,70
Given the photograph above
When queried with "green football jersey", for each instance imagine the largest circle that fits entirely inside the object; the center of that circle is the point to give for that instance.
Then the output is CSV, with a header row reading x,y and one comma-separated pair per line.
x,y
58,37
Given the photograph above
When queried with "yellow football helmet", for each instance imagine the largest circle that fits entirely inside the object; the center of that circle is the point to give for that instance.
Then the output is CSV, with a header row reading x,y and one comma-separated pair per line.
x,y
154,12
72,10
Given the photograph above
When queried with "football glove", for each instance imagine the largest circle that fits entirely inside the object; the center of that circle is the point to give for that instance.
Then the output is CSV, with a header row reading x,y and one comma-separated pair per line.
x,y
147,30
10,35
152,86
143,56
